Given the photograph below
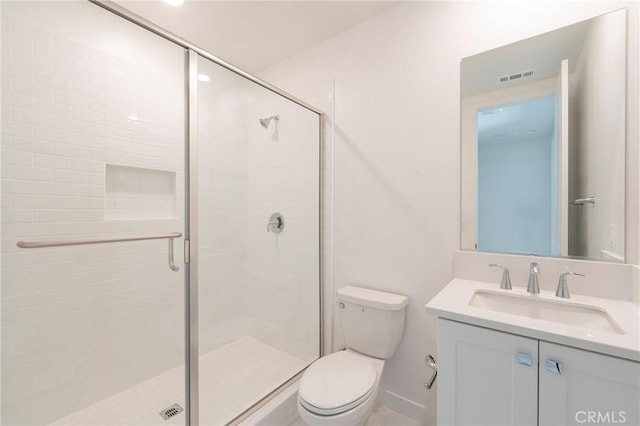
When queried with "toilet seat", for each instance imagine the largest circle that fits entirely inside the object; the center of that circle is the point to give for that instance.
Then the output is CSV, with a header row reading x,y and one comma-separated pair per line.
x,y
337,383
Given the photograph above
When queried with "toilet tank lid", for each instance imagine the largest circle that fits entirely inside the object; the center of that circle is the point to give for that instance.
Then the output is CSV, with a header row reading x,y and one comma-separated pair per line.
x,y
372,298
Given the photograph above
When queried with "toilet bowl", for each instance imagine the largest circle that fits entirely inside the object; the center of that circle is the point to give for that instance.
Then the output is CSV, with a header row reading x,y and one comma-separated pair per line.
x,y
341,388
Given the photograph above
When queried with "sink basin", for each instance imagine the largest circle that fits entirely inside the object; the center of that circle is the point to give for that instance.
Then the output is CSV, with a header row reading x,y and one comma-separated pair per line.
x,y
561,311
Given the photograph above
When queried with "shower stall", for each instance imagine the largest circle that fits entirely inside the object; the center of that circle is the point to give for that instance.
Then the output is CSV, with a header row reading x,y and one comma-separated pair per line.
x,y
161,227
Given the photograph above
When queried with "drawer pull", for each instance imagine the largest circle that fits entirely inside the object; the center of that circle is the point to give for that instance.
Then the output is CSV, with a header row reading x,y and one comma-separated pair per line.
x,y
523,359
554,366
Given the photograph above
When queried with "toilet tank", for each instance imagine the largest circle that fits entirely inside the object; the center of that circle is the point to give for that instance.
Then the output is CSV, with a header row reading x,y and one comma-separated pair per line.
x,y
372,320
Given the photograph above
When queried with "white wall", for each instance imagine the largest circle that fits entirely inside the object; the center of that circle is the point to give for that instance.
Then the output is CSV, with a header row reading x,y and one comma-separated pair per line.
x,y
397,150
601,132
81,323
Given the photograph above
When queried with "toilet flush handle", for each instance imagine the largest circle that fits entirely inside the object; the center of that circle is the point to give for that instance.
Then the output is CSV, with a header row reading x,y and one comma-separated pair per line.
x,y
431,363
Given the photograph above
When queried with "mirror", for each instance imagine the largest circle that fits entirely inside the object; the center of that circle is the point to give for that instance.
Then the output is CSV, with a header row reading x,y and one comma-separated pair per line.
x,y
543,143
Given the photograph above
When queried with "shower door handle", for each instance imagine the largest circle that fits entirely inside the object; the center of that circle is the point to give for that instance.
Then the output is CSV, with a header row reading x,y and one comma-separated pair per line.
x,y
172,266
583,201
106,240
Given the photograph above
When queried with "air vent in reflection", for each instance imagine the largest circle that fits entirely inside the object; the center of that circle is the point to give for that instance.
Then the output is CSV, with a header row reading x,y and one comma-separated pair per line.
x,y
516,76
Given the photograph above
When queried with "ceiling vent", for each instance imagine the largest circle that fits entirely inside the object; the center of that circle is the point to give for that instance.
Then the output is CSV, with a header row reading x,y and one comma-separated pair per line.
x,y
516,76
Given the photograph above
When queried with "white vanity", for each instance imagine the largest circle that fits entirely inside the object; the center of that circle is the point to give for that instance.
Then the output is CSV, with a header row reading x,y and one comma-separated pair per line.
x,y
507,357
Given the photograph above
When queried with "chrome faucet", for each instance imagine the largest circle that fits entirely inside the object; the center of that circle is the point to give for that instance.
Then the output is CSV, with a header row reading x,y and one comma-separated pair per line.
x,y
533,286
505,283
563,289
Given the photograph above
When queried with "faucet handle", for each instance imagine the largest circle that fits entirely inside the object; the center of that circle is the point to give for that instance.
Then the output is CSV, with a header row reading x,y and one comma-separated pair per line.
x,y
564,274
505,283
563,289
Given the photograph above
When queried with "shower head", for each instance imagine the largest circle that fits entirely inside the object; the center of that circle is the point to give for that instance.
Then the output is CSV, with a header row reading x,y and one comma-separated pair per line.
x,y
264,122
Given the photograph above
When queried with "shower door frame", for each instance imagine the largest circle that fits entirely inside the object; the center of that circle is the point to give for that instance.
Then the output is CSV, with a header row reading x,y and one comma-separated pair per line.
x,y
191,206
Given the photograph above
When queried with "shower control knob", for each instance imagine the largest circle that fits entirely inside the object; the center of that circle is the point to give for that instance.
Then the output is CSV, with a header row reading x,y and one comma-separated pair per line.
x,y
276,223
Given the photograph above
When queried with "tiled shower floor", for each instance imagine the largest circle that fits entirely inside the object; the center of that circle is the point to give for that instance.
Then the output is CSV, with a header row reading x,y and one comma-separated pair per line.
x,y
232,377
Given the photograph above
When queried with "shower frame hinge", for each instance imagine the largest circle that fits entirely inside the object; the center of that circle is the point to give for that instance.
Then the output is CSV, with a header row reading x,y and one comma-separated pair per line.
x,y
187,251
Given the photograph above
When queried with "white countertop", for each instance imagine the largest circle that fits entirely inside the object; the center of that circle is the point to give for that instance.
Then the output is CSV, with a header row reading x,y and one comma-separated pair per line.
x,y
453,303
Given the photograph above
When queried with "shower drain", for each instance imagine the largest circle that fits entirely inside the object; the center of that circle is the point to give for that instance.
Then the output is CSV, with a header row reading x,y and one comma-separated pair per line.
x,y
172,411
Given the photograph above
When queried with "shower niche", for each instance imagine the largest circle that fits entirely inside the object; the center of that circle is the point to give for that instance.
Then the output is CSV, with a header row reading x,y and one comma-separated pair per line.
x,y
135,193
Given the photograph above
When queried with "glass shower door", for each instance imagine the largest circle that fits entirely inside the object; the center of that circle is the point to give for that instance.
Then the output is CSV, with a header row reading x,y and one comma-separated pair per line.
x,y
258,246
93,140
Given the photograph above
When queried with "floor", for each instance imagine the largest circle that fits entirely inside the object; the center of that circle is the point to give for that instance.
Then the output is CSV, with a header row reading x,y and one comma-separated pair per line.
x,y
380,416
246,369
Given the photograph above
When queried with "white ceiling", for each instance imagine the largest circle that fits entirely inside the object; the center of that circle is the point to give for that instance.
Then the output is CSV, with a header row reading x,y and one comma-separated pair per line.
x,y
534,119
255,34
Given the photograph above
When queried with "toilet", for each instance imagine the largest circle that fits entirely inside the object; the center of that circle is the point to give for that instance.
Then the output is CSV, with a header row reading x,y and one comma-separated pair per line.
x,y
341,388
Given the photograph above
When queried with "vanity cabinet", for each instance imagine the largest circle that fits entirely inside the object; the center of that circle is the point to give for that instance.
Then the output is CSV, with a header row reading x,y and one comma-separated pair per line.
x,y
479,380
590,388
489,377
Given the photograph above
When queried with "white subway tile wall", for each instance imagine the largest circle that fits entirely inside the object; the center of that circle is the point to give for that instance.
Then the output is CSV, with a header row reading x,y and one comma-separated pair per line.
x,y
222,206
283,269
253,282
82,323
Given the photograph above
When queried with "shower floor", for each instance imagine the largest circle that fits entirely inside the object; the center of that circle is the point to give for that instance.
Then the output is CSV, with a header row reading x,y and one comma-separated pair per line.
x,y
232,377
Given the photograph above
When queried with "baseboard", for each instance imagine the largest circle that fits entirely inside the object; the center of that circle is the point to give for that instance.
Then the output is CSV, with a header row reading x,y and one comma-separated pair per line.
x,y
406,407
